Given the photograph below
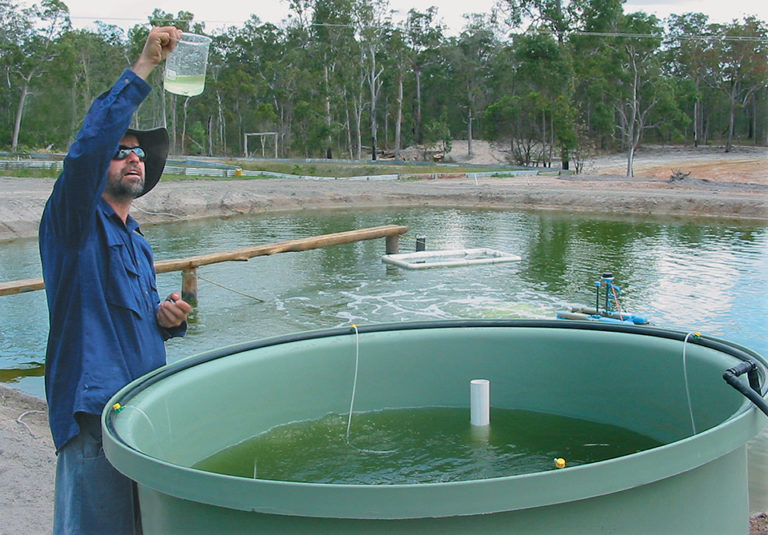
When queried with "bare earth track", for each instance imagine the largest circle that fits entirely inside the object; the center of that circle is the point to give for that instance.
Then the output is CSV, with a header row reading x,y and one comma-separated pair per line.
x,y
733,185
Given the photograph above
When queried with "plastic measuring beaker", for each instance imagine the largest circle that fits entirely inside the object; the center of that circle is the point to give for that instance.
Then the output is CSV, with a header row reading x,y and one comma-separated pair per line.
x,y
185,66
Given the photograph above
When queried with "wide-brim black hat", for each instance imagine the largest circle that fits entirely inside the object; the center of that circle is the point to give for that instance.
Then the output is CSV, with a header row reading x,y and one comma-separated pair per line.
x,y
155,143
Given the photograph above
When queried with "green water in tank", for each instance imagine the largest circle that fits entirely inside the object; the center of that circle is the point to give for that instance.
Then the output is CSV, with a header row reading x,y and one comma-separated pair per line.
x,y
423,445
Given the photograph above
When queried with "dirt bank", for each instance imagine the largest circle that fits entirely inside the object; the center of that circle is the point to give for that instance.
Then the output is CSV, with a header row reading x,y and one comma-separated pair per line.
x,y
720,184
27,465
22,200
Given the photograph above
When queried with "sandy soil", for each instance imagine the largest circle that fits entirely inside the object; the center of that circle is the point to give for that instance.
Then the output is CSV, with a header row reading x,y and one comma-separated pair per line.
x,y
27,465
721,185
743,164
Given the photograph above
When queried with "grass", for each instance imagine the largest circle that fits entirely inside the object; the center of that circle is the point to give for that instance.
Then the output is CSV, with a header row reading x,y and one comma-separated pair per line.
x,y
298,167
347,169
29,173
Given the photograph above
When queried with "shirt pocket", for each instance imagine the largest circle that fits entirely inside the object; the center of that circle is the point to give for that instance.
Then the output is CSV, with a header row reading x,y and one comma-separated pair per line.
x,y
124,288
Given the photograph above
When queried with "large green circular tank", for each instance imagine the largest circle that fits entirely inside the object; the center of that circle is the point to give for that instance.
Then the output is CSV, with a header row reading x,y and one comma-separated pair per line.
x,y
663,384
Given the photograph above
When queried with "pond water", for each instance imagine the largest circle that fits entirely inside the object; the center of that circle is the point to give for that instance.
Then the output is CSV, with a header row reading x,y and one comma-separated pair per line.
x,y
693,275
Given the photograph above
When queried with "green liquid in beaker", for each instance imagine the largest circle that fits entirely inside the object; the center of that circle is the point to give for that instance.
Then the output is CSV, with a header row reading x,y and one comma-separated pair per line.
x,y
187,86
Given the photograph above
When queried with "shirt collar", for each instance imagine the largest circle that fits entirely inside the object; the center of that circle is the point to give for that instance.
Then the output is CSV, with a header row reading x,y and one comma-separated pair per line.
x,y
131,224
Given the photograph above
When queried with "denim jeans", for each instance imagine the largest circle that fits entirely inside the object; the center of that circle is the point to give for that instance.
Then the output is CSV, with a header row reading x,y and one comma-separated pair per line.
x,y
91,497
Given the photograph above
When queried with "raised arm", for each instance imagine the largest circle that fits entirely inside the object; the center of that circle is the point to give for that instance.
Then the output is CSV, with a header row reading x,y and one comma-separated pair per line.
x,y
161,41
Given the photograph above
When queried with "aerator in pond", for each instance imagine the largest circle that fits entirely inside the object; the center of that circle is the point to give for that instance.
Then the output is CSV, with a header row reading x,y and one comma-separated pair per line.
x,y
610,311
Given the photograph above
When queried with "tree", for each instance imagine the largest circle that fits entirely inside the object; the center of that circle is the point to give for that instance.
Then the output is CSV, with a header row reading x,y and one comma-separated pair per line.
x,y
333,32
372,28
514,118
544,71
549,14
580,74
470,56
438,132
256,68
32,51
595,63
398,55
743,53
640,82
688,52
87,63
298,90
423,36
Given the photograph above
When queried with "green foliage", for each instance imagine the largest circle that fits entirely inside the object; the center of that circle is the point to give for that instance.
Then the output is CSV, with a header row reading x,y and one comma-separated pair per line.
x,y
437,132
330,79
564,122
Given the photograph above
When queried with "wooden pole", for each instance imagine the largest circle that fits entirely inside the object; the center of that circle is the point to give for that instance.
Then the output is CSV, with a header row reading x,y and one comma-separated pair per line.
x,y
21,286
393,244
391,232
189,286
302,244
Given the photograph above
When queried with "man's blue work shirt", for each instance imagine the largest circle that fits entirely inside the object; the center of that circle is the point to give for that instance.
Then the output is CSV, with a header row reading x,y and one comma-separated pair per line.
x,y
99,275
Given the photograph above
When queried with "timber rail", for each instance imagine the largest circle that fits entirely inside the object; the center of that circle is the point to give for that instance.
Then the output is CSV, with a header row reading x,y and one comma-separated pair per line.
x,y
188,266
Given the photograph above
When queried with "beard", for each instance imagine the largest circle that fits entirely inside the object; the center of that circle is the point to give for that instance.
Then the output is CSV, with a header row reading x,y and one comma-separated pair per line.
x,y
121,187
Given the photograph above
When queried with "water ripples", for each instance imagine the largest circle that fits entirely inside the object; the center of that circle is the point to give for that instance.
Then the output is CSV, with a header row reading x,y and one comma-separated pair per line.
x,y
711,277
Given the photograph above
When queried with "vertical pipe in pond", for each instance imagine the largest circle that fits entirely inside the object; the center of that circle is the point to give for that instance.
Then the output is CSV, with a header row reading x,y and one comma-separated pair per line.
x,y
480,402
189,286
392,245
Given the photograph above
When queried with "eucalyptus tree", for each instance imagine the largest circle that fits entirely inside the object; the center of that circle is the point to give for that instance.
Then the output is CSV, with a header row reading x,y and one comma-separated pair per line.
x,y
742,49
642,88
30,44
688,48
545,73
398,56
333,37
351,79
424,36
14,30
272,67
227,78
551,15
208,117
552,57
248,92
300,13
510,119
300,93
533,105
88,62
595,63
373,26
470,56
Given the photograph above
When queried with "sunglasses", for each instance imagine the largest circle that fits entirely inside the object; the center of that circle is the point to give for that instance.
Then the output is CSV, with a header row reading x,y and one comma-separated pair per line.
x,y
123,152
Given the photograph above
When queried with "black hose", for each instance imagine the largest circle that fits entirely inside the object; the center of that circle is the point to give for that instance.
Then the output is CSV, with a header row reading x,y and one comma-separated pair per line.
x,y
752,392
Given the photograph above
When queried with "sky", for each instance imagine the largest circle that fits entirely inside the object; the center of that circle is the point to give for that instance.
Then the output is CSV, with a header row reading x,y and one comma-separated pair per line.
x,y
222,13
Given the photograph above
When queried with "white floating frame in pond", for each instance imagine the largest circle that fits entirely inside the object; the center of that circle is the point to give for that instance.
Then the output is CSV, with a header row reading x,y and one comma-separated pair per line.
x,y
448,258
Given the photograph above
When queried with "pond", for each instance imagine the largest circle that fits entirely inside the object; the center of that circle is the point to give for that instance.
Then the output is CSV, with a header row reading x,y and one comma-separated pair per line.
x,y
693,275
689,275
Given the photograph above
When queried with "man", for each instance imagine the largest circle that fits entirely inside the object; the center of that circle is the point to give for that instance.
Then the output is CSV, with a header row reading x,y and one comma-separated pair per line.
x,y
107,325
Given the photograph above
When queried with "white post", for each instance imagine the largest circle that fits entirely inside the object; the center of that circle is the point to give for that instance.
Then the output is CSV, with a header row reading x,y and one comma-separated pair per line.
x,y
480,402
